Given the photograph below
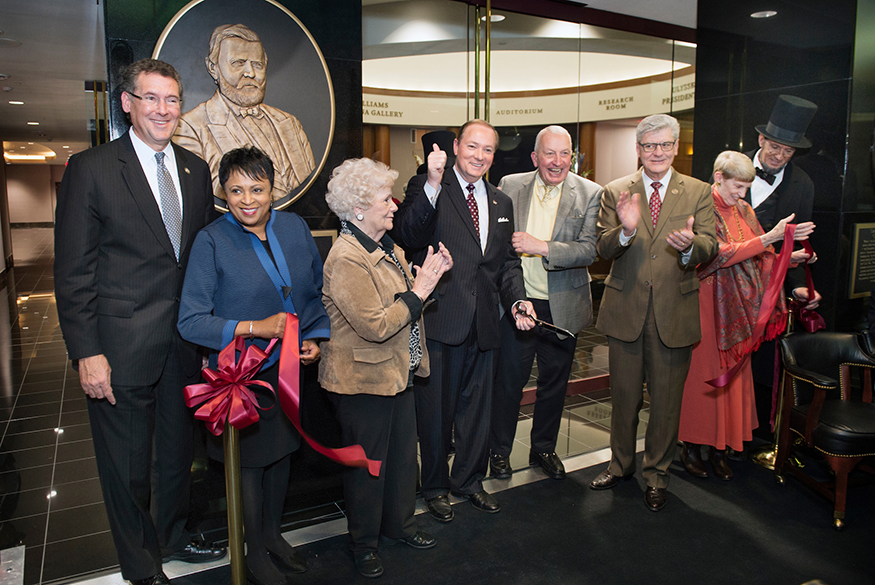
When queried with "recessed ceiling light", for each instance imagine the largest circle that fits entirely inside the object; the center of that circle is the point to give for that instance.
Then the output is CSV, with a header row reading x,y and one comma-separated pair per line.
x,y
30,142
33,123
65,146
16,103
763,14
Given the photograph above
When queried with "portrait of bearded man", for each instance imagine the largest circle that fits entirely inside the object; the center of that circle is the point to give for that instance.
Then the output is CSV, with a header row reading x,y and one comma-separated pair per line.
x,y
235,116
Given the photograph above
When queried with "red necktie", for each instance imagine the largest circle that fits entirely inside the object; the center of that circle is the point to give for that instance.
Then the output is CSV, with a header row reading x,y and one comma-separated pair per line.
x,y
655,203
472,207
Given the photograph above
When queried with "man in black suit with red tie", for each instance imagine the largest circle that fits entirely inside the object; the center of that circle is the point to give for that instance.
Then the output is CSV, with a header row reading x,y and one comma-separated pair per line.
x,y
127,214
474,220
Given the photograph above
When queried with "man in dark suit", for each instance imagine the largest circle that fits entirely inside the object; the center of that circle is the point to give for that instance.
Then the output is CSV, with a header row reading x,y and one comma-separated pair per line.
x,y
781,188
656,225
475,222
556,214
127,214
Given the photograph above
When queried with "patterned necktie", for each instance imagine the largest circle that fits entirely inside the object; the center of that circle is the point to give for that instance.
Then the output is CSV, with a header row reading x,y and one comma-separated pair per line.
x,y
547,193
655,203
472,207
170,211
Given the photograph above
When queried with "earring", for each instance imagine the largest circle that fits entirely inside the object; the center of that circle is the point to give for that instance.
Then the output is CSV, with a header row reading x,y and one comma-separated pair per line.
x,y
359,216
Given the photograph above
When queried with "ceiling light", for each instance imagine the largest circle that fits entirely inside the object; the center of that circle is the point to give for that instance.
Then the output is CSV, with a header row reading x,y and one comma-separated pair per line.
x,y
16,103
65,146
23,157
763,14
493,18
33,123
6,43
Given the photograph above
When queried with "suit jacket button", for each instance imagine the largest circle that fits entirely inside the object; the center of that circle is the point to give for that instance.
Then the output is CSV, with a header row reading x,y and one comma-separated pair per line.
x,y
653,257
474,292
647,283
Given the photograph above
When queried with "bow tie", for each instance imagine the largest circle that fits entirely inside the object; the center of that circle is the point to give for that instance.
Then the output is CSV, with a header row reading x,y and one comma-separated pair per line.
x,y
765,176
254,111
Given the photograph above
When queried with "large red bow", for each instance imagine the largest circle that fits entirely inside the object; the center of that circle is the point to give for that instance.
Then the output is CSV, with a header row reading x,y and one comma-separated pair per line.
x,y
226,396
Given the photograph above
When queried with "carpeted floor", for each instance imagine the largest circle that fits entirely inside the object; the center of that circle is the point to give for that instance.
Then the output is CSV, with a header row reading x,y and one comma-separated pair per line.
x,y
748,530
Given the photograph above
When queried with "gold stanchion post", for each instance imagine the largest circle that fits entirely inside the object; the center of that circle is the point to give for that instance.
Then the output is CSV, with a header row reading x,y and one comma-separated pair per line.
x,y
235,505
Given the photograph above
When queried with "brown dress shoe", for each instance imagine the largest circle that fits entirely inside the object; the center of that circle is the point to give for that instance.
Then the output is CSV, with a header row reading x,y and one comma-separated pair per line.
x,y
691,457
717,457
606,480
655,498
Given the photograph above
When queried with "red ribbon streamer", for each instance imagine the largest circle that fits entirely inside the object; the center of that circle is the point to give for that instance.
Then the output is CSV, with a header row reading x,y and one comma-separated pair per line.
x,y
225,396
290,401
774,289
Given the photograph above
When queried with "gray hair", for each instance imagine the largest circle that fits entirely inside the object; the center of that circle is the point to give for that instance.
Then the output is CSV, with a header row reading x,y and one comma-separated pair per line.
x,y
355,183
734,165
558,130
655,123
131,74
228,31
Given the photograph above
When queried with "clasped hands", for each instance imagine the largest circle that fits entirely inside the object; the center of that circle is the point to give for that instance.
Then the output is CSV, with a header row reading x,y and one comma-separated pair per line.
x,y
630,214
433,267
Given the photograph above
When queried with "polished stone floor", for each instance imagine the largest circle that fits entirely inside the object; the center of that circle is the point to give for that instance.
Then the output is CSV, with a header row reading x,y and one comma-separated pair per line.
x,y
50,500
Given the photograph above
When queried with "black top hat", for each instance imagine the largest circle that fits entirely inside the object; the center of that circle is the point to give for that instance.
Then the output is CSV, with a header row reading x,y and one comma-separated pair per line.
x,y
789,121
444,139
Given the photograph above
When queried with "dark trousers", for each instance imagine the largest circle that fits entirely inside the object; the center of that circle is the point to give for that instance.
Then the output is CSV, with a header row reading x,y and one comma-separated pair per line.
x,y
456,397
518,351
146,521
665,369
385,426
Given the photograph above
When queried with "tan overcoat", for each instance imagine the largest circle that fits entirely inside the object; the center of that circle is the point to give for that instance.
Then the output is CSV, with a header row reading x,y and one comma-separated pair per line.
x,y
369,349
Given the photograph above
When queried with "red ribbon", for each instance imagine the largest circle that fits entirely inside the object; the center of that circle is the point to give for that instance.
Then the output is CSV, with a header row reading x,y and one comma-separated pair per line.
x,y
226,395
774,290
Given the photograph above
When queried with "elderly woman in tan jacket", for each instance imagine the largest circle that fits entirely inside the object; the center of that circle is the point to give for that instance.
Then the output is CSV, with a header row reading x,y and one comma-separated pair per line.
x,y
377,344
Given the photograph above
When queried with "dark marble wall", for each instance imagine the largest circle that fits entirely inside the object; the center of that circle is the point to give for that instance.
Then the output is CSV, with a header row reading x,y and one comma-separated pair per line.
x,y
134,26
807,50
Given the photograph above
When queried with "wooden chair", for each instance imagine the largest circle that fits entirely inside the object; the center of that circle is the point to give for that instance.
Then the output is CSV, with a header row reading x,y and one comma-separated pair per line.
x,y
817,407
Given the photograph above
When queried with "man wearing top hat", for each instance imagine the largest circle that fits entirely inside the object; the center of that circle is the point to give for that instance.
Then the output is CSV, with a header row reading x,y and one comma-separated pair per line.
x,y
780,187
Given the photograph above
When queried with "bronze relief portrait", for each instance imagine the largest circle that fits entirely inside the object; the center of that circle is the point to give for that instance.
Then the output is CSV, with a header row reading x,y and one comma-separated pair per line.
x,y
253,76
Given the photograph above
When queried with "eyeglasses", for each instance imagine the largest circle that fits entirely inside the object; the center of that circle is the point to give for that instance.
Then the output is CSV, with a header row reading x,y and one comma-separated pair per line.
x,y
153,100
651,146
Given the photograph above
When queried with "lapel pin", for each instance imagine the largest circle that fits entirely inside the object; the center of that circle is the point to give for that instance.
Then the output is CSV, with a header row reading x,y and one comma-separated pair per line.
x,y
187,172
674,191
494,202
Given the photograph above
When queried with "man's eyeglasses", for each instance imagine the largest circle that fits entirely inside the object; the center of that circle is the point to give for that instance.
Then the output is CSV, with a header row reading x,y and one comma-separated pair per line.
x,y
153,100
651,146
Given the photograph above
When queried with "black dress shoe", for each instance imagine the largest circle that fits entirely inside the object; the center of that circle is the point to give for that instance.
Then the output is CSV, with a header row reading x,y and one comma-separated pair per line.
x,y
691,457
549,462
499,465
484,501
718,462
197,551
159,579
440,509
606,480
420,540
368,564
289,563
736,455
655,498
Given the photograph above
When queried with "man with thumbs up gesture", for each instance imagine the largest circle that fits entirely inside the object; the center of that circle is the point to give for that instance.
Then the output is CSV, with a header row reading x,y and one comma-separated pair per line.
x,y
656,225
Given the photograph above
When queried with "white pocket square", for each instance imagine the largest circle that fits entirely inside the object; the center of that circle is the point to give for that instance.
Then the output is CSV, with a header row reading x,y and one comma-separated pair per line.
x,y
503,220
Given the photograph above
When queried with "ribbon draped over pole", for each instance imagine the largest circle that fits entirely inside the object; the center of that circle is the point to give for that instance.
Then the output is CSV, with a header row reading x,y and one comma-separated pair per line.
x,y
226,395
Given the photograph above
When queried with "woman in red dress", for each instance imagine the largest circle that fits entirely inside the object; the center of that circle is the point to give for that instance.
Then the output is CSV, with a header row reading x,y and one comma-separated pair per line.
x,y
733,284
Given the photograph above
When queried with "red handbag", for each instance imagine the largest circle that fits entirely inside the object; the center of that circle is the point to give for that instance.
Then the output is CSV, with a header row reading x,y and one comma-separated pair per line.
x,y
809,319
